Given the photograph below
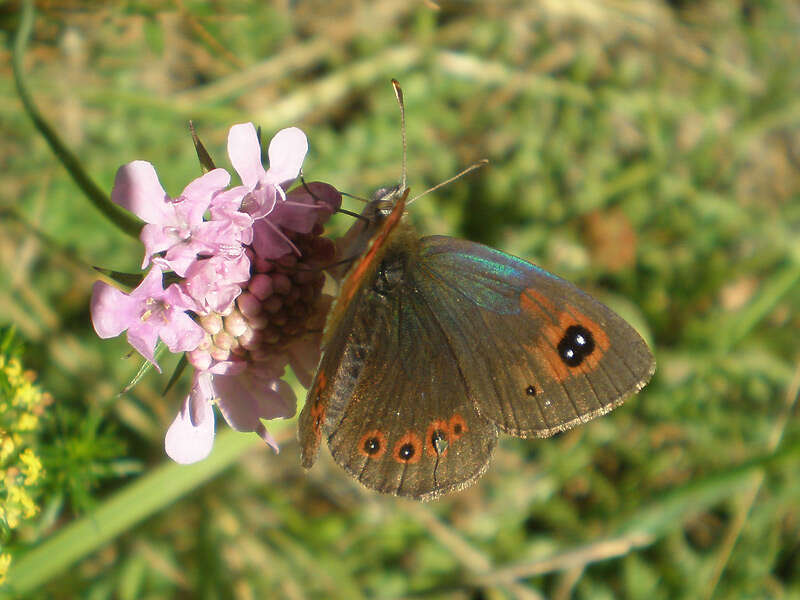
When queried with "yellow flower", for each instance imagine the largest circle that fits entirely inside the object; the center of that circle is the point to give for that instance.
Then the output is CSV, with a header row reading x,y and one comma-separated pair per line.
x,y
6,447
5,561
22,405
27,422
31,466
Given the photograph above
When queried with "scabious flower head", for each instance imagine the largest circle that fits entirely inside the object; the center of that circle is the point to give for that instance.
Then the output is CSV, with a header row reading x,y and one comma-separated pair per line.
x,y
247,300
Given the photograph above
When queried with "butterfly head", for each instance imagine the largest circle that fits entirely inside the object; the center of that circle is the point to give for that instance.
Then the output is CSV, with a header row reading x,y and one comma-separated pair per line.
x,y
383,201
372,219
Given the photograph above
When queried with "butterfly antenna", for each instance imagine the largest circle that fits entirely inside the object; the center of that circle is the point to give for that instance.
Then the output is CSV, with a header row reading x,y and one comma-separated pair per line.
x,y
398,92
481,163
354,197
344,211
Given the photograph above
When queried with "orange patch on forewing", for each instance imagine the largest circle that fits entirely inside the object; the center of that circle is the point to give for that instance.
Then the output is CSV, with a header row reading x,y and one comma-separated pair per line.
x,y
443,428
554,324
369,441
536,305
408,449
458,427
318,405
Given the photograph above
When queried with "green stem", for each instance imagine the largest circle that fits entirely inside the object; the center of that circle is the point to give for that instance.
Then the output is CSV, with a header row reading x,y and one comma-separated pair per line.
x,y
120,217
142,498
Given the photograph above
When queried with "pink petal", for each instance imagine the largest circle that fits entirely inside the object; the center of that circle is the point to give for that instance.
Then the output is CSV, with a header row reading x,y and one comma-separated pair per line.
x,y
246,398
143,338
283,400
182,334
245,153
228,367
180,257
261,201
151,286
287,150
112,310
156,238
317,193
202,189
228,201
136,187
191,436
268,241
267,437
306,206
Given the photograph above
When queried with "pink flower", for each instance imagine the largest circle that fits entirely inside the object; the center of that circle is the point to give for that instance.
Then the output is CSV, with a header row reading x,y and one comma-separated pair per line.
x,y
238,225
175,225
286,152
244,397
148,313
214,283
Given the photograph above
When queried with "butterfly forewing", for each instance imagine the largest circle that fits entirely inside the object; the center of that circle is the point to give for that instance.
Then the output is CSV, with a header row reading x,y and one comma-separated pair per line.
x,y
537,354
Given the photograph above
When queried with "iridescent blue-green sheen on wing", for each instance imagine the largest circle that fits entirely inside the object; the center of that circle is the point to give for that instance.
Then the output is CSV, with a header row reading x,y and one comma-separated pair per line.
x,y
490,278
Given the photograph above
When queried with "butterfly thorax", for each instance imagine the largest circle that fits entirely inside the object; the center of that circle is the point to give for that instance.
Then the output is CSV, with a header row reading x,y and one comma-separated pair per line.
x,y
383,245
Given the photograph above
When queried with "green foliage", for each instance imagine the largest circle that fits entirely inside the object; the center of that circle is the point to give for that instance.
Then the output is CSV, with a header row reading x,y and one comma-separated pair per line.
x,y
648,151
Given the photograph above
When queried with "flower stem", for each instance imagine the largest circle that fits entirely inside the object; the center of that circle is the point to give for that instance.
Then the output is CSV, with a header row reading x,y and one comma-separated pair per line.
x,y
120,217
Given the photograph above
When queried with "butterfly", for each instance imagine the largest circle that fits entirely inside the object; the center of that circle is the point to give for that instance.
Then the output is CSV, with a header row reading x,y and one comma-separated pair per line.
x,y
435,345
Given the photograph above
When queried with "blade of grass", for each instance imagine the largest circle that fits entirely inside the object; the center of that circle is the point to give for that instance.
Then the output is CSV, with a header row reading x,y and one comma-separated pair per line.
x,y
121,218
771,293
749,496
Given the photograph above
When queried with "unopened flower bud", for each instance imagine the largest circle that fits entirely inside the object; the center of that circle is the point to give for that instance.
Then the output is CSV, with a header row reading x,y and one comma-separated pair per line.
x,y
261,286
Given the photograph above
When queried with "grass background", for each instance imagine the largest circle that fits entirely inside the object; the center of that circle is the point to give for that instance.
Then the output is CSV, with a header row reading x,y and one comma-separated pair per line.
x,y
648,151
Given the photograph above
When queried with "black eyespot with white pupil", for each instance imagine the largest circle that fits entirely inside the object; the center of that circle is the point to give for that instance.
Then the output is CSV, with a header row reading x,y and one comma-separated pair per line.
x,y
406,452
576,344
530,390
372,445
437,437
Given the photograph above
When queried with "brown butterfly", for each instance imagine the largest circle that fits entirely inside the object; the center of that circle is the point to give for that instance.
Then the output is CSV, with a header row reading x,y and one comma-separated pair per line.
x,y
435,344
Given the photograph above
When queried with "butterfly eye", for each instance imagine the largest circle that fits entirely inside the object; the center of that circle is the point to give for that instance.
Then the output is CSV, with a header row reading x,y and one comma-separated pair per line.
x,y
576,345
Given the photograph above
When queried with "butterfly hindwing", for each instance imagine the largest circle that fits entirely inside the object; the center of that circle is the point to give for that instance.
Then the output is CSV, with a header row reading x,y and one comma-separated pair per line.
x,y
537,354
